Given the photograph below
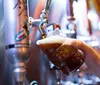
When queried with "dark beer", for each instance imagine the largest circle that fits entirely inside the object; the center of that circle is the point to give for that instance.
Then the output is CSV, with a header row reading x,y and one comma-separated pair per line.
x,y
65,57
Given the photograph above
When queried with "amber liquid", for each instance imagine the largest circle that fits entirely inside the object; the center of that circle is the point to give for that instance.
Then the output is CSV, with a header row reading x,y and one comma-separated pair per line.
x,y
66,58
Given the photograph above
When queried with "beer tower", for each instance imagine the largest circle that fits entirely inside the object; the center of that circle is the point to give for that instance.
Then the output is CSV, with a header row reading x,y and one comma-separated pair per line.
x,y
17,28
16,36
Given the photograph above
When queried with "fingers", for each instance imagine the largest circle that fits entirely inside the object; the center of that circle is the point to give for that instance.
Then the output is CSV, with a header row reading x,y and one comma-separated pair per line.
x,y
80,45
89,51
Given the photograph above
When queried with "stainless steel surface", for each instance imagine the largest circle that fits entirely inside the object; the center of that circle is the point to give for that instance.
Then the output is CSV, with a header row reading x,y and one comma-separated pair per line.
x,y
14,21
16,36
2,44
38,65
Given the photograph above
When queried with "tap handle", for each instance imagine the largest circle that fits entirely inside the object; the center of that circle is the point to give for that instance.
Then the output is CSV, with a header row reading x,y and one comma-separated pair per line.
x,y
44,18
47,5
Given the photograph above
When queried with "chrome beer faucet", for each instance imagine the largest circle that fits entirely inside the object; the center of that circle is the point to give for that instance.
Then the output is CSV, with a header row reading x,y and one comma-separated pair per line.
x,y
17,30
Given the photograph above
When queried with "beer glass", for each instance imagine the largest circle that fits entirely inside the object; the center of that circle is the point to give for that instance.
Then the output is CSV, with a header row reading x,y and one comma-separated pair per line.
x,y
65,57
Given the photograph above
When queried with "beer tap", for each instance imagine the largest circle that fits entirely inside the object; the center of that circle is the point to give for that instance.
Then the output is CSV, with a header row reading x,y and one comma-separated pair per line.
x,y
43,21
71,26
44,18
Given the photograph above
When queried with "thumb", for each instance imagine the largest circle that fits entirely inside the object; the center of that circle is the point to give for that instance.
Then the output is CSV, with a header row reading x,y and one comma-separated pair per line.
x,y
80,45
85,48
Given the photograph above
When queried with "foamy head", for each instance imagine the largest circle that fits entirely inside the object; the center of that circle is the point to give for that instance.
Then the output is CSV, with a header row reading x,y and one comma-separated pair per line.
x,y
51,39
